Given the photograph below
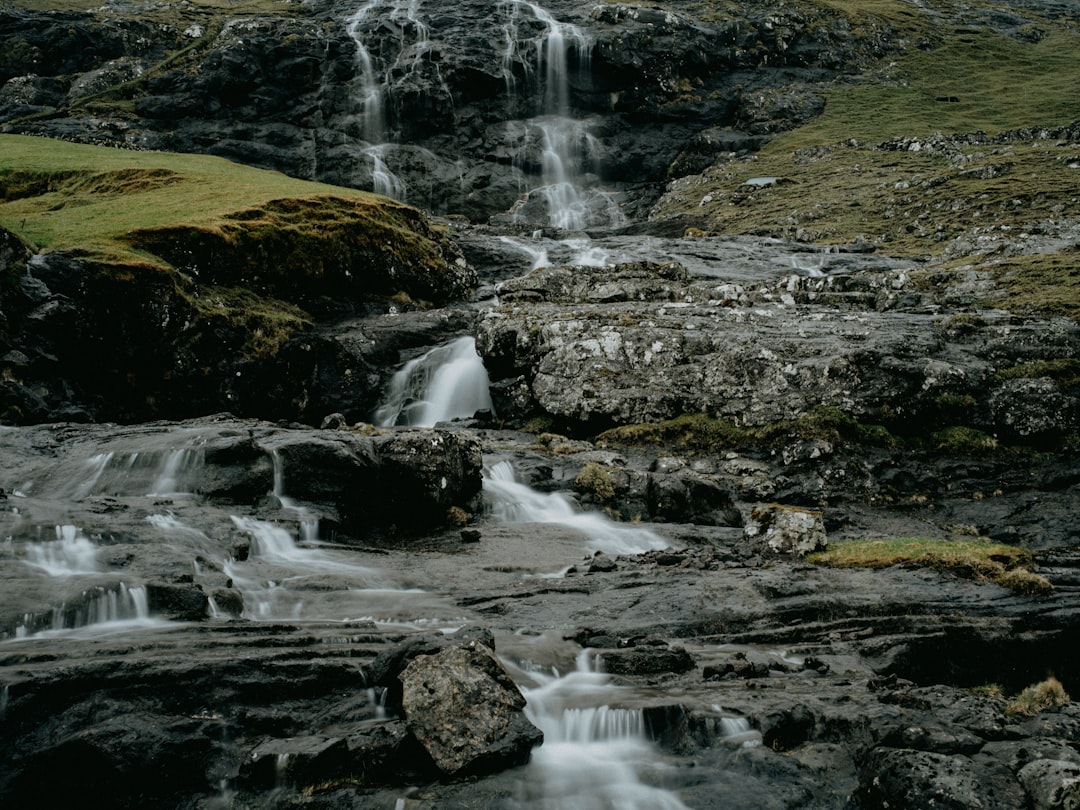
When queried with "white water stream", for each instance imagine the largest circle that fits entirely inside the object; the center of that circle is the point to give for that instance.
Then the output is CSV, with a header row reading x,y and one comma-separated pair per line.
x,y
445,383
393,45
594,756
511,501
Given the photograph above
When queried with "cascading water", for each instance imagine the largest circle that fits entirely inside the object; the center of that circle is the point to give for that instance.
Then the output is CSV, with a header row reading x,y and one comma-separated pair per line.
x,y
569,153
412,46
593,756
101,608
448,382
511,501
72,553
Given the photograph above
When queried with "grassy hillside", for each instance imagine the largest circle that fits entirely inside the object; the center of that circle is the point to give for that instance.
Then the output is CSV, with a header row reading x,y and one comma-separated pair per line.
x,y
64,196
921,155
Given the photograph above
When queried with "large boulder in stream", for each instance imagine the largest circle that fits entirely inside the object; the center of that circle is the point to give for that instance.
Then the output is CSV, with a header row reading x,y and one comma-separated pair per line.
x,y
466,711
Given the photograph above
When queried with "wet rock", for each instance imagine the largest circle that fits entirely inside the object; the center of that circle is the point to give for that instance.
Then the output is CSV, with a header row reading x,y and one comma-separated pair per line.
x,y
295,760
465,710
601,564
1052,784
787,530
647,659
183,603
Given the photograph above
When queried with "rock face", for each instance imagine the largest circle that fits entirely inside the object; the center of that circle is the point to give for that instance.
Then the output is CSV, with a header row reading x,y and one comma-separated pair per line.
x,y
458,123
639,343
466,711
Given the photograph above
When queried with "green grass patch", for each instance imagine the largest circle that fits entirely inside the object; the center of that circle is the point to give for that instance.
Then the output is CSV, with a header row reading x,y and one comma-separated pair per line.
x,y
977,80
1065,371
595,479
1008,566
1043,283
698,433
64,196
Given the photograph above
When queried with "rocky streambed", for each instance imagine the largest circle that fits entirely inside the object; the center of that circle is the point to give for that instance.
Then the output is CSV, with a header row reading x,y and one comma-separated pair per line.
x,y
229,612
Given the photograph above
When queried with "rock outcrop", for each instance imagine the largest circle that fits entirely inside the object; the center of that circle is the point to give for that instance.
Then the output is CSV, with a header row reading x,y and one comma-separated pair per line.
x,y
467,713
596,347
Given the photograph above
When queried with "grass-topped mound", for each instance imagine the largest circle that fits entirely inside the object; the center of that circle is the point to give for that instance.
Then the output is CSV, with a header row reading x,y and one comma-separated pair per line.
x,y
176,265
1008,566
219,223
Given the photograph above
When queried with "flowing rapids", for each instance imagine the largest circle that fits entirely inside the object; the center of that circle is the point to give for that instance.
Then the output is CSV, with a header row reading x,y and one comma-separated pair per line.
x,y
511,501
448,382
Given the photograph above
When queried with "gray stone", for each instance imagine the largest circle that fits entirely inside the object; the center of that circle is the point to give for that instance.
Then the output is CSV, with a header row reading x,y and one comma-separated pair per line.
x,y
466,711
1052,784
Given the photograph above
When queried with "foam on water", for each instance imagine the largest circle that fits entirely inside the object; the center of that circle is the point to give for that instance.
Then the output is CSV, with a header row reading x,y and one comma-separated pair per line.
x,y
447,382
72,553
594,757
511,501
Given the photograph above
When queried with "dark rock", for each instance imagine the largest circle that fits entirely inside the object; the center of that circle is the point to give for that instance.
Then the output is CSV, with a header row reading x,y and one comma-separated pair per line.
x,y
646,660
295,760
601,564
903,779
422,474
465,710
1051,784
183,603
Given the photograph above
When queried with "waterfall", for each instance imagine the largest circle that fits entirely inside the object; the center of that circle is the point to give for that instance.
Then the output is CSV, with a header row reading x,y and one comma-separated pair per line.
x,y
374,85
511,501
70,554
175,469
569,153
593,756
309,523
448,382
372,119
104,606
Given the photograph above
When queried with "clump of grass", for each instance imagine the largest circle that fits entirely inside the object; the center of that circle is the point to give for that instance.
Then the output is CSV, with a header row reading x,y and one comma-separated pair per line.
x,y
1065,371
966,441
456,516
596,480
699,433
1008,566
1039,697
990,690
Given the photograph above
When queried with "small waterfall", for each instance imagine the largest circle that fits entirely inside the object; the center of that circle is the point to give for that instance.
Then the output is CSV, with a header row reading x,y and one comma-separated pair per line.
x,y
174,472
511,501
155,471
448,382
737,730
70,554
95,466
372,118
309,523
100,607
375,85
593,756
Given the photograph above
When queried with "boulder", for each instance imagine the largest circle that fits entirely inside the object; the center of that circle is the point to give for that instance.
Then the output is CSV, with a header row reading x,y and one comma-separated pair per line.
x,y
466,711
1052,784
904,779
422,474
788,530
